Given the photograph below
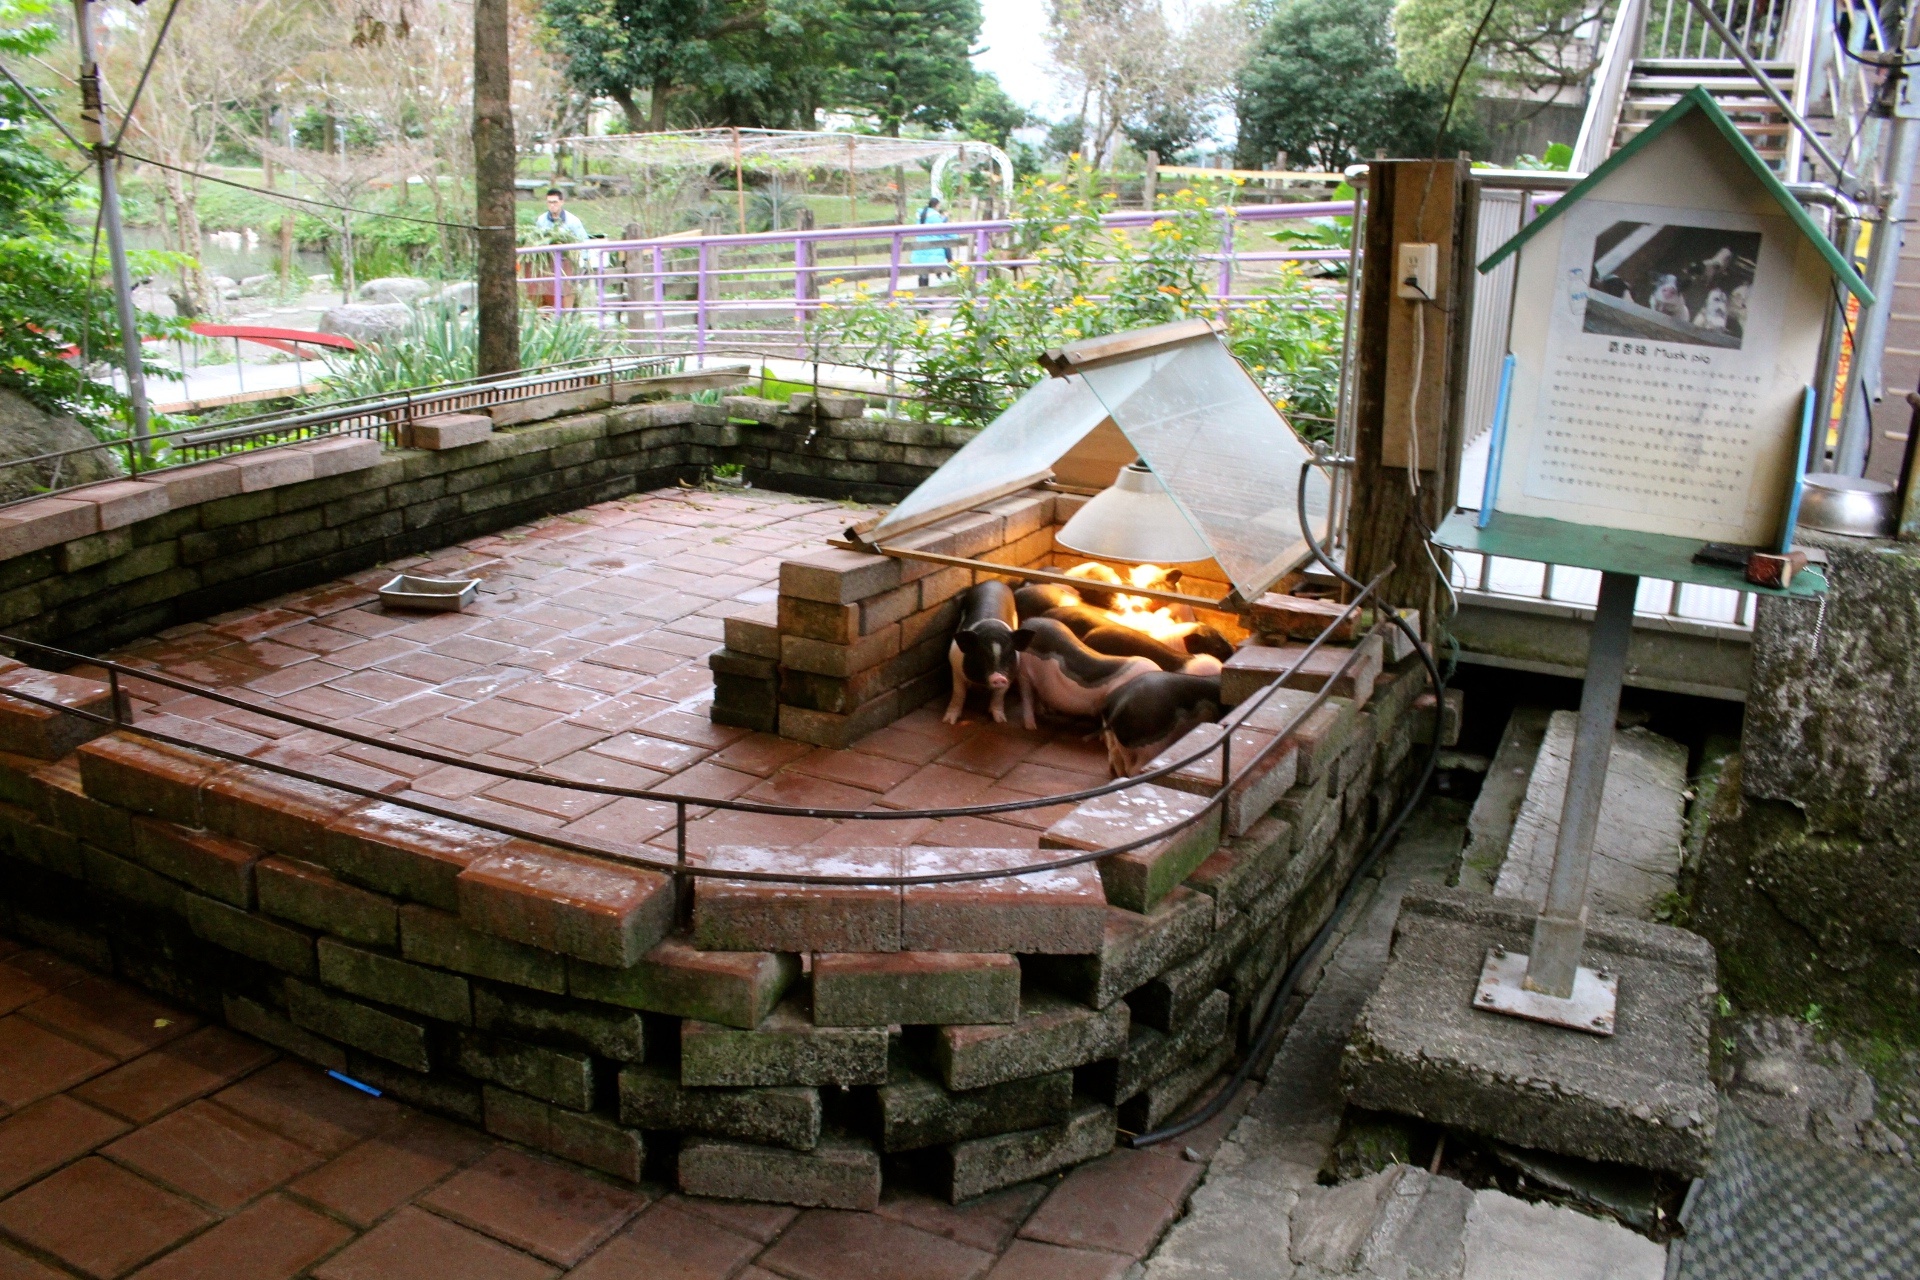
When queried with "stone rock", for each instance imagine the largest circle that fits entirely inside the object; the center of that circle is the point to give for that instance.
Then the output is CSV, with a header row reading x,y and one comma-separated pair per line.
x,y
225,287
462,295
1636,846
367,321
1641,1096
27,430
1400,1222
1510,1239
1786,1079
155,301
254,286
394,289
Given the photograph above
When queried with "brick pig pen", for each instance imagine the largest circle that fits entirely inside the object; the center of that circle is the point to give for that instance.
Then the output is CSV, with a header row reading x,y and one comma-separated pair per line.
x,y
775,1021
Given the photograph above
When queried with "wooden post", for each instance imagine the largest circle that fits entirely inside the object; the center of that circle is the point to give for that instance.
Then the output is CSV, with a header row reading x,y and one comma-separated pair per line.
x,y
1148,183
493,171
1410,201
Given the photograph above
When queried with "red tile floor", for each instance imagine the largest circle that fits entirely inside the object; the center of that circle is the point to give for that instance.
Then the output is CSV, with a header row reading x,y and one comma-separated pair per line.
x,y
134,1140
585,657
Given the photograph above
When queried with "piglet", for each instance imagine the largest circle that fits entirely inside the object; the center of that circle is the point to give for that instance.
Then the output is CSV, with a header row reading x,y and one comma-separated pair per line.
x,y
985,649
1100,633
1063,675
1154,712
1034,598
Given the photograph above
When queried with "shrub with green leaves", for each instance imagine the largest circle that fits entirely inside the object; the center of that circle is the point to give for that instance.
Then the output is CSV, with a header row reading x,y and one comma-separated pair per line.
x,y
969,363
442,345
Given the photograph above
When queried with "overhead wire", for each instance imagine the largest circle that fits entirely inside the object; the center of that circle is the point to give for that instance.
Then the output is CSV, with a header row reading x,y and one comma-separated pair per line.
x,y
153,55
271,194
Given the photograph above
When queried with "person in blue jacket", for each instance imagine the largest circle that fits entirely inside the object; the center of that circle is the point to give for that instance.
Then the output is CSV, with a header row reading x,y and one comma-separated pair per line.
x,y
930,215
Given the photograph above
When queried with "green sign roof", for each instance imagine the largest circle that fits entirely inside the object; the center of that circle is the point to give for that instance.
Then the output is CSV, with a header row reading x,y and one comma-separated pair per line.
x,y
1698,99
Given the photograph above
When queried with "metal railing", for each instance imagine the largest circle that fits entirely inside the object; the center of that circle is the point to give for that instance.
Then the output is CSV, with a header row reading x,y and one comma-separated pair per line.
x,y
380,417
766,288
1675,32
680,867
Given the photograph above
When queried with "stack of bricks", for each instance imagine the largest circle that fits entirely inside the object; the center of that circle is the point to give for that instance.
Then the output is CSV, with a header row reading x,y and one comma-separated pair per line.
x,y
856,641
791,1042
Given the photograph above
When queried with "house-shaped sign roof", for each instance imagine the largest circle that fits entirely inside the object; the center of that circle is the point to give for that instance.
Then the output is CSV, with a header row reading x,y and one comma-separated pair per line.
x,y
1175,396
1697,99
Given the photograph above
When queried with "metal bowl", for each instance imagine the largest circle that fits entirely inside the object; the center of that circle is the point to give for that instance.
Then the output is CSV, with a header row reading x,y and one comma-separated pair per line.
x,y
1850,505
442,595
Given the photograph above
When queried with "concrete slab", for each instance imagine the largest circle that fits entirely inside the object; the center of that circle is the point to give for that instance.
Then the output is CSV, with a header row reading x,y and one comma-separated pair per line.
x,y
1504,790
1641,1096
1636,848
1509,1239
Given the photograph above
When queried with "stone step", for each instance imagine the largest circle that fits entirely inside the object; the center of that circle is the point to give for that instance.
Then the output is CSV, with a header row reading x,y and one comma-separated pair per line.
x,y
1637,844
1490,826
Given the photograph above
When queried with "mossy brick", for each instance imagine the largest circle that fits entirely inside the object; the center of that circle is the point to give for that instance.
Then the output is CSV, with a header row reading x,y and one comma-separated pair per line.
x,y
20,604
1323,736
755,631
785,1049
146,777
140,563
832,694
250,1017
822,658
1028,551
1052,1034
1139,879
1060,910
619,1034
1257,767
395,982
917,1112
839,1173
372,529
1151,1055
48,847
936,624
278,813
583,1137
729,988
1160,1101
205,860
744,666
1255,966
833,576
1171,998
244,564
129,882
290,524
306,894
1133,948
559,1076
438,938
62,802
964,1170
246,933
827,622
1348,767
827,729
914,987
23,570
396,850
1243,867
583,907
652,1097
97,548
745,703
1303,807
20,783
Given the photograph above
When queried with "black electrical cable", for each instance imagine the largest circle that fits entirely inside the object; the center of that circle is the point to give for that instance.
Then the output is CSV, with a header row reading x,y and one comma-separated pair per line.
x,y
1277,1009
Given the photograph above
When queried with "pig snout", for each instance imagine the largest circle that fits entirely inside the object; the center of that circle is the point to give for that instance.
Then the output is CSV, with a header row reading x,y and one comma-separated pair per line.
x,y
998,680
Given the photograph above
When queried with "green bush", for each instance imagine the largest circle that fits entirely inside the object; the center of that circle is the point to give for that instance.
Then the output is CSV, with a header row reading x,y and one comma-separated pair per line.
x,y
969,364
442,346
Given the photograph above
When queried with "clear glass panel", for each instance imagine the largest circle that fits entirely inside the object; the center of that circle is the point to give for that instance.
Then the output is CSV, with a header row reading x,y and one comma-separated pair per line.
x,y
1517,577
1018,446
1224,452
1575,586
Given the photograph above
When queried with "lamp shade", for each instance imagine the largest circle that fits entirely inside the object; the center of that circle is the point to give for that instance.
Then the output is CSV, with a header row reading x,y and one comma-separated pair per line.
x,y
1133,520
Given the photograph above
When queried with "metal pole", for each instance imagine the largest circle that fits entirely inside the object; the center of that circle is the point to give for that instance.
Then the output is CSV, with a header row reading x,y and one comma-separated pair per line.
x,y
1561,929
1841,178
91,112
1870,335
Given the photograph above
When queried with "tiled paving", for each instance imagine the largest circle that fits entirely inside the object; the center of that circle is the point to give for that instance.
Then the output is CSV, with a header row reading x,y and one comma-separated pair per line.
x,y
585,658
134,1140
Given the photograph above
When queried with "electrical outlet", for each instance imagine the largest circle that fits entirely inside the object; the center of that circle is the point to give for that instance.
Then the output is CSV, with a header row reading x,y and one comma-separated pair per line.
x,y
1419,271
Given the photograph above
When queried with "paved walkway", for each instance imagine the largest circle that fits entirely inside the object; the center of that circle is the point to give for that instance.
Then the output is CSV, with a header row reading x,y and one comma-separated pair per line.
x,y
585,656
138,1141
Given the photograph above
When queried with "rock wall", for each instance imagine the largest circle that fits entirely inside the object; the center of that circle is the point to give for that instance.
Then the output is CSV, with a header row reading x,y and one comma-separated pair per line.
x,y
1809,881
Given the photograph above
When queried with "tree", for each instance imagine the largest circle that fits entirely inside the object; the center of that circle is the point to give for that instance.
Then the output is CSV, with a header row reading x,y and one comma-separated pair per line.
x,y
990,114
1138,73
1528,44
906,61
1322,86
665,49
497,289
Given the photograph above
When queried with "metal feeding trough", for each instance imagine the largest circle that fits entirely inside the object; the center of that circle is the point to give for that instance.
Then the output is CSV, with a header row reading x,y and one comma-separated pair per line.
x,y
442,595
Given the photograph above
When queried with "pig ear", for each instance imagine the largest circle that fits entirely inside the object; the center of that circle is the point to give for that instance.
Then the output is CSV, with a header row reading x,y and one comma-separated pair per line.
x,y
969,642
1021,639
1171,576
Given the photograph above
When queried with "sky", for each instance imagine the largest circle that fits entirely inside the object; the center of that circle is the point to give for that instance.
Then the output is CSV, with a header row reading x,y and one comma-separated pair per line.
x,y
1014,33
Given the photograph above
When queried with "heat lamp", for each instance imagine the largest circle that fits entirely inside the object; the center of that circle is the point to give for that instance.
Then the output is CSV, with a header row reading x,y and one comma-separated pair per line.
x,y
1135,521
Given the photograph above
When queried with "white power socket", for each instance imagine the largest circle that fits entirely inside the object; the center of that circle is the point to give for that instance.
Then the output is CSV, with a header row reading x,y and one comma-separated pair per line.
x,y
1419,271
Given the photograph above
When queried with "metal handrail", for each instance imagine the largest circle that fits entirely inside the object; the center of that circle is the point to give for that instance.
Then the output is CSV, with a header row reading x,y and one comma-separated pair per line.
x,y
680,866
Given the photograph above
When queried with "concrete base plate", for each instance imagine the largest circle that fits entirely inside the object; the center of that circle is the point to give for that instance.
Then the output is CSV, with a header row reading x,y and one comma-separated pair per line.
x,y
1503,989
1640,1096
